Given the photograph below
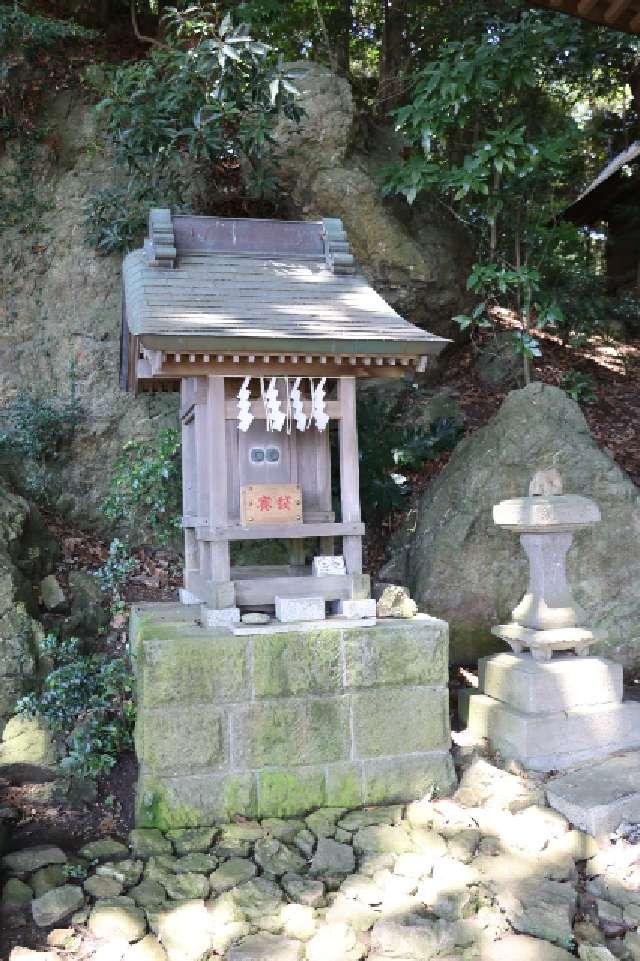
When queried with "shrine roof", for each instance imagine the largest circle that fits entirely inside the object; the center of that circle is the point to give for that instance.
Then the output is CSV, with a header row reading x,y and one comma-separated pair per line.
x,y
219,284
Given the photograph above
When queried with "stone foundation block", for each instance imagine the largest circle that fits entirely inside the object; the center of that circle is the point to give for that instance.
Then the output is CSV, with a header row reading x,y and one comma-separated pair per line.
x,y
562,684
181,664
290,732
398,652
396,779
392,721
558,740
290,610
184,739
298,663
278,725
193,800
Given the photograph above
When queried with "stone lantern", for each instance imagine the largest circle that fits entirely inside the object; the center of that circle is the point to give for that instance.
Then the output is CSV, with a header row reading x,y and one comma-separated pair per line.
x,y
546,618
549,712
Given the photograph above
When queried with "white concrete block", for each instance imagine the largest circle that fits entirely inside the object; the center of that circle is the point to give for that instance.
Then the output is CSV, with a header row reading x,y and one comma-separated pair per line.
x,y
289,610
220,617
326,564
559,740
356,608
599,797
544,687
187,598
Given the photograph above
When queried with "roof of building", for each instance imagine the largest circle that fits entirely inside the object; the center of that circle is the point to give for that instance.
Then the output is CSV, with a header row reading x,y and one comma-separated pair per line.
x,y
608,188
621,15
218,284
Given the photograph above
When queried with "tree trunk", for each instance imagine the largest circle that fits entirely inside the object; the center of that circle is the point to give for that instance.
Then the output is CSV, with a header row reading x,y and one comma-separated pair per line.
x,y
392,55
343,37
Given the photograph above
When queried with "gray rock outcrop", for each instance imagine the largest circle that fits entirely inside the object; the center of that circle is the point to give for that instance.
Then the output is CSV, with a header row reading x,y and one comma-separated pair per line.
x,y
459,566
26,553
416,257
61,308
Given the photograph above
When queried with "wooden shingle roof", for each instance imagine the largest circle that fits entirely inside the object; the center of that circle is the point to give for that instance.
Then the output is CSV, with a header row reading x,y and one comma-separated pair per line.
x,y
222,287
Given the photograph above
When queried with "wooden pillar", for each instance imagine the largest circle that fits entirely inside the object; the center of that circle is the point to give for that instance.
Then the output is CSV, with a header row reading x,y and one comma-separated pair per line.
x,y
349,472
190,507
214,493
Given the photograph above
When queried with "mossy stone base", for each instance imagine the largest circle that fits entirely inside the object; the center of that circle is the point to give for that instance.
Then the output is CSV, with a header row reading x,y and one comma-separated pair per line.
x,y
278,725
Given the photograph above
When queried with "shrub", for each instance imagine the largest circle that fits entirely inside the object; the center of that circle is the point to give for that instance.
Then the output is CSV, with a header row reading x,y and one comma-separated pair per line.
x,y
35,433
579,385
146,491
114,573
195,114
88,702
387,446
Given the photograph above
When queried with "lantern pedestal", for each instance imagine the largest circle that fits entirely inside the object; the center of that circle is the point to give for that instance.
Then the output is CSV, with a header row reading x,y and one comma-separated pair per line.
x,y
551,715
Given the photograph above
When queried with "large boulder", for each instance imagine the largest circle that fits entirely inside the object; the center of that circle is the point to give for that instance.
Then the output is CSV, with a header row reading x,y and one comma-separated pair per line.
x,y
417,257
26,553
459,566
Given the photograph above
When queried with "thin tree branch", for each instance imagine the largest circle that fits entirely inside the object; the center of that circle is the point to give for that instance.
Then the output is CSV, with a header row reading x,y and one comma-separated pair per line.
x,y
140,36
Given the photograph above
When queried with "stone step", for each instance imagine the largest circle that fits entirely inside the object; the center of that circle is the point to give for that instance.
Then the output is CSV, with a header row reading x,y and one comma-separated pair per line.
x,y
598,797
557,741
544,687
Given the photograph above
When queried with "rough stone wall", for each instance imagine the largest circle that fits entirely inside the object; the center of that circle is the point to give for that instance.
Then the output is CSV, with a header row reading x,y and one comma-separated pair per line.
x,y
61,304
26,553
462,568
416,257
280,724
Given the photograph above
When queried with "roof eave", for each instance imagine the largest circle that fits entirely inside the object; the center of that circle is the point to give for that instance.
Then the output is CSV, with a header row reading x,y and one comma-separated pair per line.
x,y
301,345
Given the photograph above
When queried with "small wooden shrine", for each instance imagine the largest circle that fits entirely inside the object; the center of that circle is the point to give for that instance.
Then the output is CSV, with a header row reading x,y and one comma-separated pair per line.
x,y
263,326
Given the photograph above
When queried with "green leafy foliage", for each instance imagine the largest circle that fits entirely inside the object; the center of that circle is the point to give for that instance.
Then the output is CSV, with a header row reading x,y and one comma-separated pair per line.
x,y
24,36
36,433
493,127
579,385
87,701
387,446
198,111
115,572
145,492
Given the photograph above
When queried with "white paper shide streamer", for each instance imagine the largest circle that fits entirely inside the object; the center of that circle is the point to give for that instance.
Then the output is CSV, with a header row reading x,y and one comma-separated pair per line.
x,y
275,415
245,417
318,409
297,405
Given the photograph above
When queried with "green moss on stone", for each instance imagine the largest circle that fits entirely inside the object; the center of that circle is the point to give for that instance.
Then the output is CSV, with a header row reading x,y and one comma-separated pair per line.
x,y
344,785
284,733
411,653
192,667
183,739
297,663
403,720
288,793
395,779
194,800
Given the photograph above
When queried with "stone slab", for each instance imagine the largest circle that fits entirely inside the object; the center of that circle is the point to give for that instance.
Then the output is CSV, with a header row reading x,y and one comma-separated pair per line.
x,y
341,623
544,687
598,797
556,741
292,610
